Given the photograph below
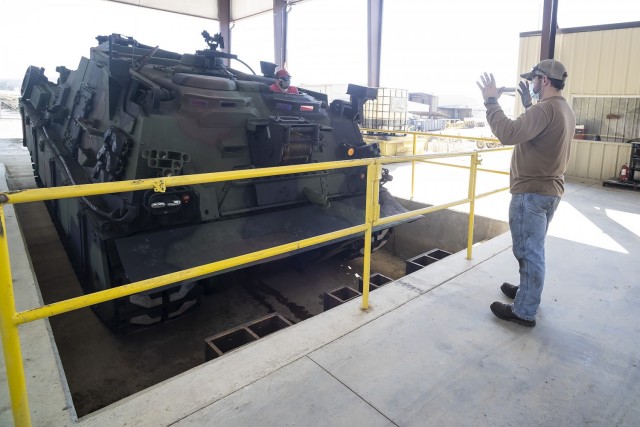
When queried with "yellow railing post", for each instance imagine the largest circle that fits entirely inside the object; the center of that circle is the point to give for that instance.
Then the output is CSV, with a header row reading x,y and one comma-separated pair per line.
x,y
473,174
10,337
413,165
372,212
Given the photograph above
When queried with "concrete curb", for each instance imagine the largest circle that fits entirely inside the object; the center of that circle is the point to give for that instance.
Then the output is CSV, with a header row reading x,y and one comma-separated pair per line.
x,y
49,397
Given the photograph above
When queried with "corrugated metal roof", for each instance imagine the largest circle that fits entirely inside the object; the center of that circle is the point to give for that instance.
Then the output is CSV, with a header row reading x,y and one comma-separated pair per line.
x,y
243,9
200,8
207,8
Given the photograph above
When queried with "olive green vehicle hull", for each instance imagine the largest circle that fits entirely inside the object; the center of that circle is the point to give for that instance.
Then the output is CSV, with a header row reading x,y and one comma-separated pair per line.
x,y
131,111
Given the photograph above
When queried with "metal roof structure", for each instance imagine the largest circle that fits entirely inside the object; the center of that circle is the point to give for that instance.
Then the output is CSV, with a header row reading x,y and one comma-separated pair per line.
x,y
228,11
209,9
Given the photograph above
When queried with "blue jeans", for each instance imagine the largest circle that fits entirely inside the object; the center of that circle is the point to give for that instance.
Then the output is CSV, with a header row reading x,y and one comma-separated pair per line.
x,y
529,218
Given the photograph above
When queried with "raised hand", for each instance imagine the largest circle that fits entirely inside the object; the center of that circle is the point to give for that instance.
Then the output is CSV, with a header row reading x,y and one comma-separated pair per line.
x,y
488,87
525,95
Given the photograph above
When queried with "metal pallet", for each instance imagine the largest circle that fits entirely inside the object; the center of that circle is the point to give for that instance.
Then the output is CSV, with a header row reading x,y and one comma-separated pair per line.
x,y
631,185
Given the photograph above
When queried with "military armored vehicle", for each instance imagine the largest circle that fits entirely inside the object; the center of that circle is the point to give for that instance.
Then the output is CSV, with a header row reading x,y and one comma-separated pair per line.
x,y
133,111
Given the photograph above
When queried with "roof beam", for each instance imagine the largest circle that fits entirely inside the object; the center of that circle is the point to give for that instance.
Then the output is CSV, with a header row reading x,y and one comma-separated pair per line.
x,y
224,19
549,26
280,26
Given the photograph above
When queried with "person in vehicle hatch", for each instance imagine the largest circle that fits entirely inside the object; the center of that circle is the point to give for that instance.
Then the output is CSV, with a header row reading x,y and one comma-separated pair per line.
x,y
283,83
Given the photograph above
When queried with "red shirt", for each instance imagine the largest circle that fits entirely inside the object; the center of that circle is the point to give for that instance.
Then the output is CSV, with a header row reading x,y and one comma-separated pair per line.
x,y
276,88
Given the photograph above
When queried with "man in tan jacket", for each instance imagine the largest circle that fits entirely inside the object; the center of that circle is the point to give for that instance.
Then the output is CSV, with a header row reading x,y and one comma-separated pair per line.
x,y
541,137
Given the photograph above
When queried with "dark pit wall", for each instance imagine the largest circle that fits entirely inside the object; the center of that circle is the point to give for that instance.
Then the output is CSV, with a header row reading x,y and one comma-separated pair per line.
x,y
446,230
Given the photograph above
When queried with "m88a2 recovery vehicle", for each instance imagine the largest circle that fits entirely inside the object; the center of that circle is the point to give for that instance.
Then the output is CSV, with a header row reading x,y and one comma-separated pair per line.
x,y
132,111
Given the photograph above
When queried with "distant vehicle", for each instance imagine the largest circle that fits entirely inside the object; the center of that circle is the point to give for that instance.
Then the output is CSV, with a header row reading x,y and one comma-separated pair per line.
x,y
133,111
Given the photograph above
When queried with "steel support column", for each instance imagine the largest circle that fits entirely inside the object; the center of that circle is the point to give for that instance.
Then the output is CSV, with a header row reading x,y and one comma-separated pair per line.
x,y
549,26
374,41
280,32
224,18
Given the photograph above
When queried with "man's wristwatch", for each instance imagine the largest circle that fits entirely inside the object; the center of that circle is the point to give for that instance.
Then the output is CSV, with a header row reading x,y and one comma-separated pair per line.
x,y
490,101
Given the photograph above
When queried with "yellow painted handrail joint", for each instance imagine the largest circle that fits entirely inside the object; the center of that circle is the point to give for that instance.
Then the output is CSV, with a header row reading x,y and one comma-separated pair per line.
x,y
159,186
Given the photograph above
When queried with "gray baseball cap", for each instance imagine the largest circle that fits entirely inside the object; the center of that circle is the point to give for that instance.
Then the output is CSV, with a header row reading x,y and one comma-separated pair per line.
x,y
550,68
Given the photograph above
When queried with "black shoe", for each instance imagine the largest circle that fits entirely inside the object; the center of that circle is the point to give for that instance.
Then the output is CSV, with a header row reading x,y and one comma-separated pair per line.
x,y
504,312
509,290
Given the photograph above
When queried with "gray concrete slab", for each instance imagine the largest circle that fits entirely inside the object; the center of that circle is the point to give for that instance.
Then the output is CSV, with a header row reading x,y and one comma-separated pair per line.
x,y
454,363
299,392
47,390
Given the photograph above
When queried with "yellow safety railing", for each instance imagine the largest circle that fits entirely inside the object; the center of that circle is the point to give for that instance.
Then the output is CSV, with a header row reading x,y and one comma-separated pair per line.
x,y
438,135
10,319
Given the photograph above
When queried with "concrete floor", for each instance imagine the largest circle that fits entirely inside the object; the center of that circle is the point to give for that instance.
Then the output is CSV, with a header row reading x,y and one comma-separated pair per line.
x,y
427,352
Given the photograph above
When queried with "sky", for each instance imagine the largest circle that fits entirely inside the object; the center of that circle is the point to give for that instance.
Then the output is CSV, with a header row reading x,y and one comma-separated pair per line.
x,y
438,47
